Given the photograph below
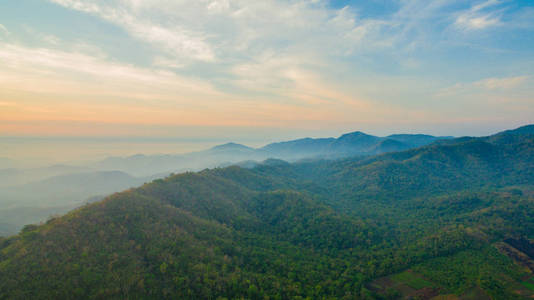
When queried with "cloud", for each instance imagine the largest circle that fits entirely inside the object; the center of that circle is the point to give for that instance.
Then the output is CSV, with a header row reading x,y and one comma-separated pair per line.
x,y
218,6
501,83
51,39
3,30
223,35
68,73
477,22
210,31
494,84
477,17
56,85
253,48
172,39
247,62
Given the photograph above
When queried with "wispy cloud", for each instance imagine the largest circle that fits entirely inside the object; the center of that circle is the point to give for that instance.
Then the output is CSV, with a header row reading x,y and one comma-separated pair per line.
x,y
3,30
226,34
503,84
479,16
172,38
46,65
249,63
211,31
80,86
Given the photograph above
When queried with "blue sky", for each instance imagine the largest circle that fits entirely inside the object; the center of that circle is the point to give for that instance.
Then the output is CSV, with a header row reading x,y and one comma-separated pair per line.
x,y
242,68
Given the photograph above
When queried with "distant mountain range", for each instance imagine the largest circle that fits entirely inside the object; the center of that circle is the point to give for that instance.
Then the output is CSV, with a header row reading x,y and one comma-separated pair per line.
x,y
31,195
350,144
355,143
448,220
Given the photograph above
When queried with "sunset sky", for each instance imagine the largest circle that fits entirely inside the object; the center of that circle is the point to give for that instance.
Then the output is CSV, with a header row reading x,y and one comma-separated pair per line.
x,y
213,68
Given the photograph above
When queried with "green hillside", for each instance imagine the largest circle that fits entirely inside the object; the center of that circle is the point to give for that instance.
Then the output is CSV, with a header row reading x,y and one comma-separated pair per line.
x,y
436,220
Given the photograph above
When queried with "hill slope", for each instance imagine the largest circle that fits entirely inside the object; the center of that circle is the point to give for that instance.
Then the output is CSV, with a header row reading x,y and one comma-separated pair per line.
x,y
312,229
35,201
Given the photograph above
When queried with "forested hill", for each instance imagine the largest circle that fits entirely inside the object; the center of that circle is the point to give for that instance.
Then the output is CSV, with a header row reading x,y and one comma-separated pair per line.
x,y
465,163
436,220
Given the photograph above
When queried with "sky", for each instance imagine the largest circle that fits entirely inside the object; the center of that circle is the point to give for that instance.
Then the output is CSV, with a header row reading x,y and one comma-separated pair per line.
x,y
266,70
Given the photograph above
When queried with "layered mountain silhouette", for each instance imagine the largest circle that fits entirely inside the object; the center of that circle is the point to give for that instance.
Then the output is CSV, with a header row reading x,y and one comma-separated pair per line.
x,y
315,229
351,144
355,143
30,195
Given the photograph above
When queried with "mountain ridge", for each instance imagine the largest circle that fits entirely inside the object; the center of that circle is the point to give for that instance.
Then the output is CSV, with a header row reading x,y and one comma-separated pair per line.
x,y
324,228
349,144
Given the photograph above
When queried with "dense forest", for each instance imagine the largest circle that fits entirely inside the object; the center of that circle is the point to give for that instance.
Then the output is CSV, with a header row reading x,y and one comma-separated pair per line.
x,y
449,220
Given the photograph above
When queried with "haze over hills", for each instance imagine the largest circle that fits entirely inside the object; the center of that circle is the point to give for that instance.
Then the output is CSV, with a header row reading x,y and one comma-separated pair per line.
x,y
450,218
68,188
36,201
18,176
356,143
31,195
